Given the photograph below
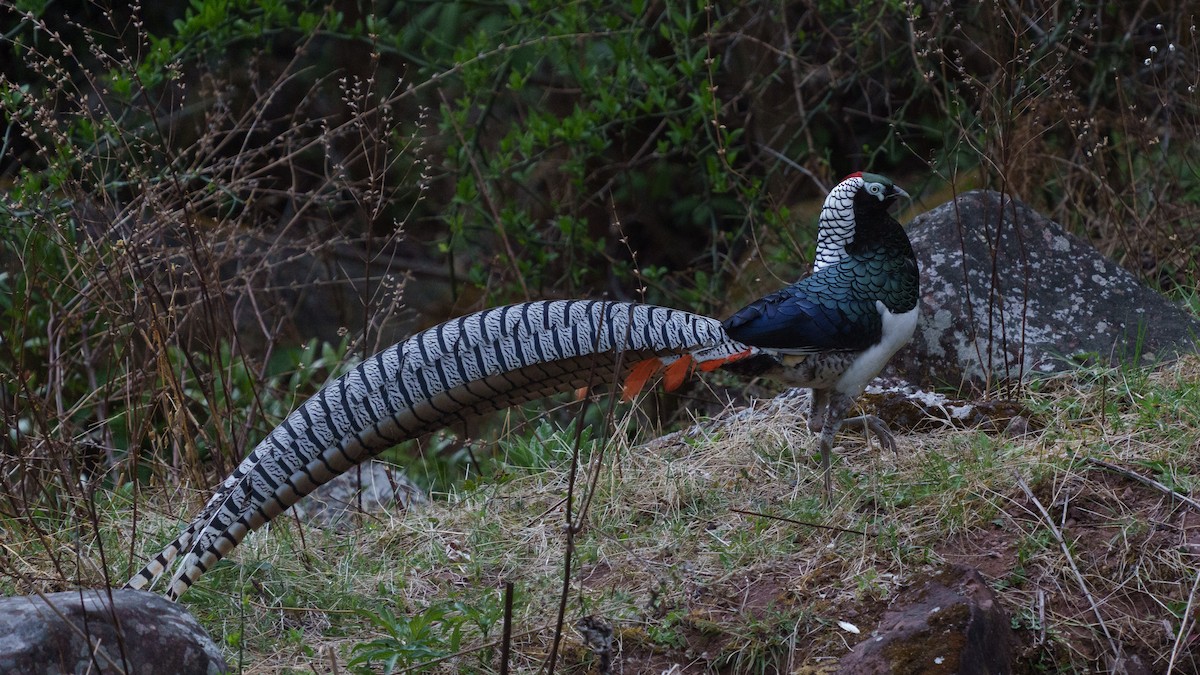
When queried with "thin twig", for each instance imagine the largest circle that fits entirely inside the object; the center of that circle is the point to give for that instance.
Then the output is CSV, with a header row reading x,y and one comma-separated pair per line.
x,y
798,167
96,653
333,662
1144,480
493,208
609,417
1112,643
1185,629
549,509
470,650
569,548
506,637
1041,605
799,522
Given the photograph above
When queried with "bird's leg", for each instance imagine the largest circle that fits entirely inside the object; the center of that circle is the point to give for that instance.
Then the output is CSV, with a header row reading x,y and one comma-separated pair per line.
x,y
836,405
826,446
816,414
874,425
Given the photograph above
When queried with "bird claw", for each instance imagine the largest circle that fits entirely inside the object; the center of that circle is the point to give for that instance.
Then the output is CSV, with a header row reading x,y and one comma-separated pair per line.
x,y
871,425
874,425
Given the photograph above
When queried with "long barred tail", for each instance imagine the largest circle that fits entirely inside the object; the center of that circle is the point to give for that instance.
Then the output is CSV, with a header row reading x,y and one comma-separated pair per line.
x,y
479,363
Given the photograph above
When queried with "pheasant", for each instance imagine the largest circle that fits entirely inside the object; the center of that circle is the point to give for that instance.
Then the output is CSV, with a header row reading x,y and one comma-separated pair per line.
x,y
832,331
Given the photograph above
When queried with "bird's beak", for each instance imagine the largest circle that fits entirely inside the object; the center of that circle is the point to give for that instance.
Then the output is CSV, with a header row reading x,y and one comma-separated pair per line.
x,y
893,195
898,192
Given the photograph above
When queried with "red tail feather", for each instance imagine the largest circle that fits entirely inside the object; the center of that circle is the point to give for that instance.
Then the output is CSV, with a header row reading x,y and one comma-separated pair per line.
x,y
638,377
677,372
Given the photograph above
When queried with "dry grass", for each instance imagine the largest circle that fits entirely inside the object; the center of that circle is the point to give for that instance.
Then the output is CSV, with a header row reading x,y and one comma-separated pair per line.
x,y
688,582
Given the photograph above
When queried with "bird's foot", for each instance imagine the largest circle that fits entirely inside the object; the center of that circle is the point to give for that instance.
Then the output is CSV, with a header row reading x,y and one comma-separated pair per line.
x,y
873,425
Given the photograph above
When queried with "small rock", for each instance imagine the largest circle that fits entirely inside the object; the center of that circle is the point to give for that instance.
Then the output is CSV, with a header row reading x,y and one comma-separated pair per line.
x,y
949,623
372,487
1017,427
1128,664
98,631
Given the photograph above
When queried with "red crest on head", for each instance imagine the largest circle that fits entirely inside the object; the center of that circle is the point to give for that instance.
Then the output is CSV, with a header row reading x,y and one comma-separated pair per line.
x,y
856,174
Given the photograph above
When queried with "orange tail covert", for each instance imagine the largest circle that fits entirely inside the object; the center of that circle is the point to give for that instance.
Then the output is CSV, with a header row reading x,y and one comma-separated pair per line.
x,y
710,365
677,372
638,377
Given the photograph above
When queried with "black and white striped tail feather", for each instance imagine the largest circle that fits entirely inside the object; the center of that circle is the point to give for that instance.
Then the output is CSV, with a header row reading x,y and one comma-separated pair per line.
x,y
469,366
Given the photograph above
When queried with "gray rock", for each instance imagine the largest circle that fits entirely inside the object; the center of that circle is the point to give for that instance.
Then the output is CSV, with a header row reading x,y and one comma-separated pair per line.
x,y
369,488
1006,293
950,622
85,632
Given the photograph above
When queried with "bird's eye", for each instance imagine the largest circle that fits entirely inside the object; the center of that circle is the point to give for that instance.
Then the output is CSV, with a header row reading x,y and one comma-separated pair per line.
x,y
875,188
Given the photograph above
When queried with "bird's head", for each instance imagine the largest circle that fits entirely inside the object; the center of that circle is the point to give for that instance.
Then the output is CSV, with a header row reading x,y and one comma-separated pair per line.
x,y
854,214
873,188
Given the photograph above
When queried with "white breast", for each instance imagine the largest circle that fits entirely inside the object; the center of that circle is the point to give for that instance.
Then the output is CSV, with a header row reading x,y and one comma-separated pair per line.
x,y
897,331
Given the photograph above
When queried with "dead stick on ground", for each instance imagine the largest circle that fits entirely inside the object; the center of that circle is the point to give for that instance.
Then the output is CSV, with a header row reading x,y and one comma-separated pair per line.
x,y
798,522
506,638
1116,649
569,548
421,667
1185,629
1142,479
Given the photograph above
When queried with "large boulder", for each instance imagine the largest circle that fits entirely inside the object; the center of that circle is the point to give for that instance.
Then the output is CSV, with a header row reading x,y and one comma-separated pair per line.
x,y
100,631
1006,292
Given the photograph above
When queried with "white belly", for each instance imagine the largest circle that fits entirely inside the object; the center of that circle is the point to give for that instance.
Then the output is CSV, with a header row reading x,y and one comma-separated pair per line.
x,y
897,331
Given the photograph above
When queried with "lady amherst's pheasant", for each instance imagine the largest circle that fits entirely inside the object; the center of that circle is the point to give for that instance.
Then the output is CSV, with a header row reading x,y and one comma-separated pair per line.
x,y
832,331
